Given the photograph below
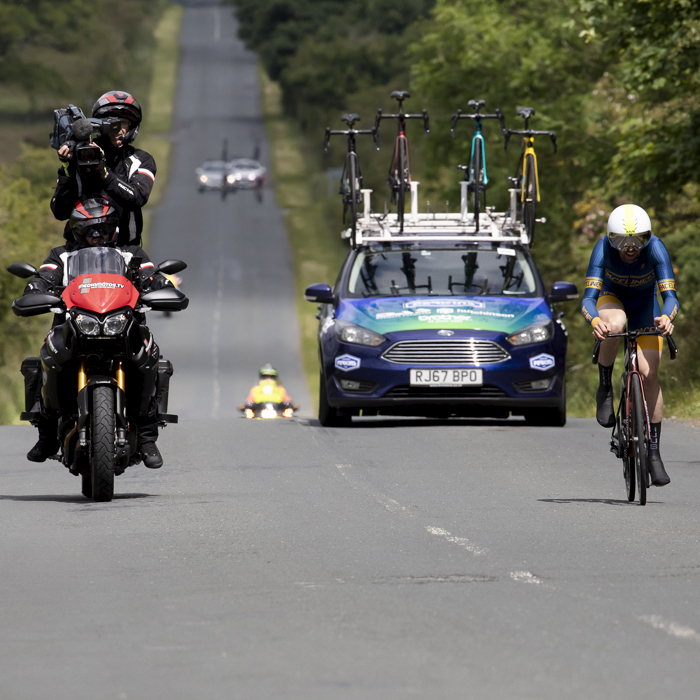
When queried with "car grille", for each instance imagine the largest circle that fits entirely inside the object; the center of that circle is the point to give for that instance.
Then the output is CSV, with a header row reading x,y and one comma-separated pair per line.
x,y
469,351
457,392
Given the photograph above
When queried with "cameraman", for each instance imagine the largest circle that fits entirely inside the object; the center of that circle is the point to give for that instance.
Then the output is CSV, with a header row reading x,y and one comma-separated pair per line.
x,y
124,174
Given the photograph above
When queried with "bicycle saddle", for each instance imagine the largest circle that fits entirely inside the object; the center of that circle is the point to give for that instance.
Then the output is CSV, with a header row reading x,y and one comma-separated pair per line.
x,y
477,104
350,119
400,94
525,112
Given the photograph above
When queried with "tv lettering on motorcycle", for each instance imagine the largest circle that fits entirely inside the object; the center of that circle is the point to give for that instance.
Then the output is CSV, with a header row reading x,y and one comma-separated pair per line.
x,y
88,284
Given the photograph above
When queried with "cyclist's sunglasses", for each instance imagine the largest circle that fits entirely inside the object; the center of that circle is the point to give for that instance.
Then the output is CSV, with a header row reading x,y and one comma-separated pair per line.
x,y
624,240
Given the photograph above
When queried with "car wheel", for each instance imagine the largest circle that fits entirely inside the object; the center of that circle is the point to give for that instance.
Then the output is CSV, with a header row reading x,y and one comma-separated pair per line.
x,y
328,416
553,417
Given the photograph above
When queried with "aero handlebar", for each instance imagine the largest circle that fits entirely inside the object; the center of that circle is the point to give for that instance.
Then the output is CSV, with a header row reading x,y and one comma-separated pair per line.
x,y
530,132
672,348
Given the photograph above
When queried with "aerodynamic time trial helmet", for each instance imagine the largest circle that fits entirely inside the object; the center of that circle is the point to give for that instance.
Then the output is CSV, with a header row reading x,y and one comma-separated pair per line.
x,y
629,226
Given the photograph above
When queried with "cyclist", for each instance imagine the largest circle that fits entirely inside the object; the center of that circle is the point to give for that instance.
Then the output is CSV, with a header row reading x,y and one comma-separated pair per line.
x,y
125,174
94,223
269,388
625,270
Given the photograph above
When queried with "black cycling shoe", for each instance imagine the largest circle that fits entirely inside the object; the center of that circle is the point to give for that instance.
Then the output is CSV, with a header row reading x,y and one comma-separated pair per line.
x,y
44,448
658,474
605,409
151,455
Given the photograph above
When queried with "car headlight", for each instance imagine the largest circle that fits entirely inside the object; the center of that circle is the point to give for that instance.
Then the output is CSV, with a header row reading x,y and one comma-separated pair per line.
x,y
536,333
88,325
251,176
230,178
357,335
115,324
203,178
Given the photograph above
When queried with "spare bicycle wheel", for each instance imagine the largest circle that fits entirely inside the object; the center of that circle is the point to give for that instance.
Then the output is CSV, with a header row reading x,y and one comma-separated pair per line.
x,y
529,198
477,176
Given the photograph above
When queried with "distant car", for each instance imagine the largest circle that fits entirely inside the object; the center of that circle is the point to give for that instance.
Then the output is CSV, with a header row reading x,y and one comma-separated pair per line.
x,y
245,174
211,174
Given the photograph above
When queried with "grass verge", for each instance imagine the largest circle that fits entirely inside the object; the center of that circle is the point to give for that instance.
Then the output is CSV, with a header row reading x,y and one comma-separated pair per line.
x,y
301,193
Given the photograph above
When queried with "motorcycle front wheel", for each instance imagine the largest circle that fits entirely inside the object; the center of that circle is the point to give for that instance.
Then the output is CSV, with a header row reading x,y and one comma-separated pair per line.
x,y
103,447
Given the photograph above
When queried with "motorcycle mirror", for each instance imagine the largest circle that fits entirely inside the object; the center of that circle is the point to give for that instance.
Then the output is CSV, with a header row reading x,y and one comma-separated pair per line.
x,y
166,299
23,270
170,267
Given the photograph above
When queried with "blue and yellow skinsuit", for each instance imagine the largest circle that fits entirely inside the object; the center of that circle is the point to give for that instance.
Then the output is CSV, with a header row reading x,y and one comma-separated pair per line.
x,y
632,287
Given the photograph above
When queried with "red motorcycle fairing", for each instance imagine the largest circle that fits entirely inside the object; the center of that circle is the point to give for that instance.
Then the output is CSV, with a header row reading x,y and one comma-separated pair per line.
x,y
100,293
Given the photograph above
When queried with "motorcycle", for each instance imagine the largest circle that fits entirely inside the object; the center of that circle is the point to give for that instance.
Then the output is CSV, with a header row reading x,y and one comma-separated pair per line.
x,y
268,409
102,356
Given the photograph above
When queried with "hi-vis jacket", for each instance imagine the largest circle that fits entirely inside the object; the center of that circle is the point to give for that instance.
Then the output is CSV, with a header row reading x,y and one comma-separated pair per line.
x,y
268,390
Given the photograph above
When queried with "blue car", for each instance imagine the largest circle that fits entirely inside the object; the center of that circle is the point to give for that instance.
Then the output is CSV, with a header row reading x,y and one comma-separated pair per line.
x,y
441,327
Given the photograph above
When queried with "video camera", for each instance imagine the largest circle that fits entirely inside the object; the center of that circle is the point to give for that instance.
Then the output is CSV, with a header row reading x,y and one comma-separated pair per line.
x,y
71,126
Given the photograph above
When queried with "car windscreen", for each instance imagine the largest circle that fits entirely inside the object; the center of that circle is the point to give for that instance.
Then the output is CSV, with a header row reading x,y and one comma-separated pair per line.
x,y
442,272
215,166
95,261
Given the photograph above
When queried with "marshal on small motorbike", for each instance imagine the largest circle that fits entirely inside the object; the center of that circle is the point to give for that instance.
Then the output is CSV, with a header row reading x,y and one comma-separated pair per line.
x,y
101,353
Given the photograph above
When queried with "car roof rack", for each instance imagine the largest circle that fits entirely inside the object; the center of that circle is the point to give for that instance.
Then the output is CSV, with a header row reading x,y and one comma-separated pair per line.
x,y
494,227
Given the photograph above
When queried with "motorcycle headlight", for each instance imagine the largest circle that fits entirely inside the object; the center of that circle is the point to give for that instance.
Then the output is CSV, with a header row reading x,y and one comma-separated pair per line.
x,y
230,178
357,335
88,325
115,324
536,333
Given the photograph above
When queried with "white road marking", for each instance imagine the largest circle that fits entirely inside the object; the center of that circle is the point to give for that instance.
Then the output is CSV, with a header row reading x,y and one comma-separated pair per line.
x,y
525,577
389,503
461,541
215,340
672,628
217,24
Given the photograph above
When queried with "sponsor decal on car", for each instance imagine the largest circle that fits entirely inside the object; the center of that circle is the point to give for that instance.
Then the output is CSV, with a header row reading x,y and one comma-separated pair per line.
x,y
346,363
542,361
444,302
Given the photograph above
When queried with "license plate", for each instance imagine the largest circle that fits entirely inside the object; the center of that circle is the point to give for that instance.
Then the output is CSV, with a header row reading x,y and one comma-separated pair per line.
x,y
447,377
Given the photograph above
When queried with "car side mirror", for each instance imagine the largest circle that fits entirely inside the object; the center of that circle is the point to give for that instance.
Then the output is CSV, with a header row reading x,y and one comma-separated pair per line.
x,y
320,293
23,270
563,291
171,267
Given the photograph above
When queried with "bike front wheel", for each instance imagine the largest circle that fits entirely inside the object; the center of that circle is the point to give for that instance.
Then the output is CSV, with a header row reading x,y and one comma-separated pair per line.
x,y
624,435
640,442
403,182
529,197
353,200
477,177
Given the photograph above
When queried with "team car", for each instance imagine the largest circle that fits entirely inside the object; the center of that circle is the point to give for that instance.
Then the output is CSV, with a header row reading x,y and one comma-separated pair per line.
x,y
441,321
211,175
245,174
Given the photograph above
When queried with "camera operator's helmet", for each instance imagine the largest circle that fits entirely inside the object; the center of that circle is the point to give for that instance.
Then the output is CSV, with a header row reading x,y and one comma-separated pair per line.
x,y
122,105
269,372
629,226
94,215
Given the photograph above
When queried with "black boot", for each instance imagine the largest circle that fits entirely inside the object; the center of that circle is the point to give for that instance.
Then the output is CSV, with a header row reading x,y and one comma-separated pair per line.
x,y
605,411
151,455
47,445
658,474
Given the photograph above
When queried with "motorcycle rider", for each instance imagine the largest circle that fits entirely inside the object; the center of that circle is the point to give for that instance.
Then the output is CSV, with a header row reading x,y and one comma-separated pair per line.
x,y
269,388
125,174
94,222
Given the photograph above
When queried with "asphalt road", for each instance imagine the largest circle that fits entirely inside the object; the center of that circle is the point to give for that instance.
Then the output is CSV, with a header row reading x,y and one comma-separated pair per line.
x,y
459,559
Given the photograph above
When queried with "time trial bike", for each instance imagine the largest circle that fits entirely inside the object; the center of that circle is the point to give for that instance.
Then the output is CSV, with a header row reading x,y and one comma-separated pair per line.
x,y
400,170
527,179
351,178
475,172
630,434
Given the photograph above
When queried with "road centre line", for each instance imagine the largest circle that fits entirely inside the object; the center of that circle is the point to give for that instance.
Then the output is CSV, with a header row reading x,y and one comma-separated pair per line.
x,y
674,629
461,541
525,577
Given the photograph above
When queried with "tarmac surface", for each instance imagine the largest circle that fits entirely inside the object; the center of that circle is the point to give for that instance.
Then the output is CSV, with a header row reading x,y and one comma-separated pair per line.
x,y
280,559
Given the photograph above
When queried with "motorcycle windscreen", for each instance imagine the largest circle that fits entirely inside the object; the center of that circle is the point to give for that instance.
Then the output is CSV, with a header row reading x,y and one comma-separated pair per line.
x,y
95,261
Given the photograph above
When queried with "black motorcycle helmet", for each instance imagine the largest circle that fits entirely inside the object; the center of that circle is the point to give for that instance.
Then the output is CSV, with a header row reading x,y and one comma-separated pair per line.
x,y
122,105
94,215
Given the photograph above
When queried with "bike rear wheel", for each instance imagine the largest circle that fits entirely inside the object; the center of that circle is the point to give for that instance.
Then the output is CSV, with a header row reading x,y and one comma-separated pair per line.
x,y
402,182
353,199
529,194
641,439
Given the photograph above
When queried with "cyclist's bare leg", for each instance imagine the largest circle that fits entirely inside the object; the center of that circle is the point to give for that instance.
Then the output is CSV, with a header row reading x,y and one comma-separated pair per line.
x,y
614,317
648,361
